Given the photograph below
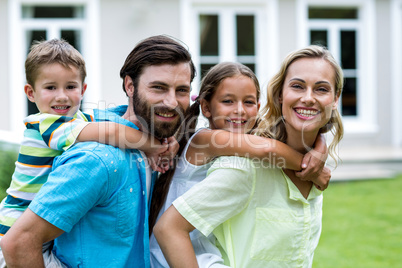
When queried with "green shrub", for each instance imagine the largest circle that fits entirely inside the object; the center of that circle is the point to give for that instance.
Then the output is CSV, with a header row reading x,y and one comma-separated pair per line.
x,y
8,156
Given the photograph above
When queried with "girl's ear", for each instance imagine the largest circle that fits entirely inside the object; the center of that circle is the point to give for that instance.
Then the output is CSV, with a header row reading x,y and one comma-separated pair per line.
x,y
129,85
29,91
205,109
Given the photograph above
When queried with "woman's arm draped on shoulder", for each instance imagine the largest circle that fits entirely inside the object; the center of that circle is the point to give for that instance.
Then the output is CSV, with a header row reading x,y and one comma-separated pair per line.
x,y
215,143
173,234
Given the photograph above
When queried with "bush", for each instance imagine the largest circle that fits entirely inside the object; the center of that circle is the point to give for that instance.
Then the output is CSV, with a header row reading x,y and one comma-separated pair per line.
x,y
8,156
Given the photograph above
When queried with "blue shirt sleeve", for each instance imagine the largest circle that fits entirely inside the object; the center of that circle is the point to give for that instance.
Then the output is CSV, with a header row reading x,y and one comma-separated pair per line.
x,y
79,181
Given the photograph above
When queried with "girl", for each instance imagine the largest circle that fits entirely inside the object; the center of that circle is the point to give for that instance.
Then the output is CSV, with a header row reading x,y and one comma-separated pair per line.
x,y
264,216
228,98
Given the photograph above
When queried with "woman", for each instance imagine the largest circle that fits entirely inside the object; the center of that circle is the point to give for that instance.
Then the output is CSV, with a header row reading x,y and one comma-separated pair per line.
x,y
261,215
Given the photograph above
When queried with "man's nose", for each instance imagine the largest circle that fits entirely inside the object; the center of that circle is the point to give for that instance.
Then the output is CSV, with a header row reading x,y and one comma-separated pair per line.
x,y
170,99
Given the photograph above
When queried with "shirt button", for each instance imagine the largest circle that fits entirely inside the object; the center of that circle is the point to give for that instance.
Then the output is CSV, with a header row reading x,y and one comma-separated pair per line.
x,y
143,192
111,162
131,190
140,160
105,154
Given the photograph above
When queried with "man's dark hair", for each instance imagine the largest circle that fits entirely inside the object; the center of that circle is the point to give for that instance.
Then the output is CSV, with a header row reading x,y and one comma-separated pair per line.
x,y
155,50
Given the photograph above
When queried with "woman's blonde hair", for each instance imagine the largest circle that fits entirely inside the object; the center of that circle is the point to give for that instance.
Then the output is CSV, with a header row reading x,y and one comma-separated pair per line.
x,y
271,123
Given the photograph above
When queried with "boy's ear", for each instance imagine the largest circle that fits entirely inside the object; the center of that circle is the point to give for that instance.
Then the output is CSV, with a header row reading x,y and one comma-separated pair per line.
x,y
129,85
205,109
29,91
84,88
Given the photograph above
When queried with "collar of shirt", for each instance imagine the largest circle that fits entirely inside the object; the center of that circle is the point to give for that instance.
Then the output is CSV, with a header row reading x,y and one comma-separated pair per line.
x,y
115,115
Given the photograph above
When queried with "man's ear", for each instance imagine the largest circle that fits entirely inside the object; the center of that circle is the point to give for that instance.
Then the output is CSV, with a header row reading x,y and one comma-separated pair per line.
x,y
129,86
205,109
29,91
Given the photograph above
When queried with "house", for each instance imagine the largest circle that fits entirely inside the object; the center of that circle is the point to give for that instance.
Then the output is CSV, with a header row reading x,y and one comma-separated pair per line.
x,y
364,35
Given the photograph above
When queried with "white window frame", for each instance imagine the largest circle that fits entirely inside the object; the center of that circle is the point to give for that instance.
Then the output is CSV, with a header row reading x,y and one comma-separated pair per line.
x,y
396,71
266,21
365,123
89,26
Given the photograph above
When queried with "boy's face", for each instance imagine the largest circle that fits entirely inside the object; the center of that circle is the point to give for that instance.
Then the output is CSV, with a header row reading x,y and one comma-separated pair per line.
x,y
57,90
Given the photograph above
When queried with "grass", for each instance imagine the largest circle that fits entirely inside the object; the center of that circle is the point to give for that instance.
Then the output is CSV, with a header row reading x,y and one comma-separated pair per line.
x,y
8,156
362,225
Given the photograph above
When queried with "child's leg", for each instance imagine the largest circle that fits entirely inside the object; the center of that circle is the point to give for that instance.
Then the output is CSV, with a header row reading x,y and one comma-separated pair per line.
x,y
49,258
2,261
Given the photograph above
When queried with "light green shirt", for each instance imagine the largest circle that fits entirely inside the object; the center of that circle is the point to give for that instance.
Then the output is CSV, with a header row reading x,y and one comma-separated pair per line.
x,y
257,214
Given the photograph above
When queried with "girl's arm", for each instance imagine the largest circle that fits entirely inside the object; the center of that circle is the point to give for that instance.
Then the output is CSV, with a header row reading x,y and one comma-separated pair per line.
x,y
215,143
172,231
313,165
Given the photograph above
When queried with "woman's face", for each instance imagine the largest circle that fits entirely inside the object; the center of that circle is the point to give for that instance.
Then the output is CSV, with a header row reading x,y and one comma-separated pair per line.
x,y
308,95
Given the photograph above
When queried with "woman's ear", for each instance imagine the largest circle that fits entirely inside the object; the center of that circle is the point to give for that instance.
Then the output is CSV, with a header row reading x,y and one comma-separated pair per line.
x,y
29,91
335,104
205,109
129,86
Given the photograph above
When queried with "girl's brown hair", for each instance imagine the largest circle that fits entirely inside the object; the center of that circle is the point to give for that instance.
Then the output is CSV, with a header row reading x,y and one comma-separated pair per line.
x,y
209,85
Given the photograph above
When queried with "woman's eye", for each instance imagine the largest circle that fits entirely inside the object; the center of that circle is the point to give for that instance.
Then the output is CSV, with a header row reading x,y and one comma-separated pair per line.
x,y
322,89
297,86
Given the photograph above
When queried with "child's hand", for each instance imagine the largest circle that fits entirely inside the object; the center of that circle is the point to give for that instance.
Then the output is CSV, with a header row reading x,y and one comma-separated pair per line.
x,y
154,154
313,165
168,156
322,181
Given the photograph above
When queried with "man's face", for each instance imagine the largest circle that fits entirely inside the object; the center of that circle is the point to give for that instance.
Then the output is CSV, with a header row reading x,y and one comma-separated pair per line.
x,y
162,97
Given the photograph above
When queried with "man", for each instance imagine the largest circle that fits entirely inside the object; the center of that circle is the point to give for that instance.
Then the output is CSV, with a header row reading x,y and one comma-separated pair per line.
x,y
95,203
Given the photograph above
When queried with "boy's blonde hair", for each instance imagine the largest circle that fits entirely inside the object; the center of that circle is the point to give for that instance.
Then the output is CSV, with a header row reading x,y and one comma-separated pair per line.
x,y
272,124
52,51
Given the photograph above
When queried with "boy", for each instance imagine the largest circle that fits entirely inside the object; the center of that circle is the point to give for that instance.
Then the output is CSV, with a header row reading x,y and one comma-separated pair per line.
x,y
55,74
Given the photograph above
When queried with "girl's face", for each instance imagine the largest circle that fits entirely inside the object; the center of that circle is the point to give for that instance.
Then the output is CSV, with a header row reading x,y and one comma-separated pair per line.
x,y
308,95
233,106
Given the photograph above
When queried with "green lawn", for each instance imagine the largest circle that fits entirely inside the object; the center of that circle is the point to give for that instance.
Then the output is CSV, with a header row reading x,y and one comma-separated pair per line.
x,y
362,225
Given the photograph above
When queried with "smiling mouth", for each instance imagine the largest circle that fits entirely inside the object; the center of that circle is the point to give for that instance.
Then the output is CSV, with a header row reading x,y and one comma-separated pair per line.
x,y
61,107
166,115
307,113
238,122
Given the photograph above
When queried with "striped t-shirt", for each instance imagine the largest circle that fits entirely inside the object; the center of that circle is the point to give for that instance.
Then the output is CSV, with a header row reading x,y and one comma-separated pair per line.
x,y
46,136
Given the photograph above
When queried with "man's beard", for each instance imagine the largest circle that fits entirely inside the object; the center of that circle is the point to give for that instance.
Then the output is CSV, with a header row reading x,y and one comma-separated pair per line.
x,y
146,115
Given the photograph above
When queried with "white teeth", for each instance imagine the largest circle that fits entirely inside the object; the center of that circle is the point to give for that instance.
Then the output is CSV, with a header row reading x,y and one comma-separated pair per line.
x,y
165,115
237,121
307,113
60,107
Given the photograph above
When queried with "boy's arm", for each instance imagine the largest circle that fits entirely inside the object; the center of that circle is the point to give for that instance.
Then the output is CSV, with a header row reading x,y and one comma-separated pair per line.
x,y
22,244
215,143
313,164
172,231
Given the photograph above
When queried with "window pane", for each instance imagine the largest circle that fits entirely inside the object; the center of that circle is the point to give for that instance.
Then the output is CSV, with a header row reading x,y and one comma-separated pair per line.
x,y
52,11
251,66
349,105
348,49
319,38
205,68
209,35
245,35
73,37
332,13
31,36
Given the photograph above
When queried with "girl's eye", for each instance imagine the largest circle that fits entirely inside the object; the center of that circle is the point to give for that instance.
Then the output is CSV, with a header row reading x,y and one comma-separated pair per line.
x,y
227,101
250,102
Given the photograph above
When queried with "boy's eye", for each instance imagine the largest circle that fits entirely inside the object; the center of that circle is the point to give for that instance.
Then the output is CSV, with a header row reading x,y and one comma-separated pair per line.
x,y
50,87
71,87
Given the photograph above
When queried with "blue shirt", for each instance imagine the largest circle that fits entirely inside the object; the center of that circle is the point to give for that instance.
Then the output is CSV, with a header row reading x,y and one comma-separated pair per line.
x,y
97,195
